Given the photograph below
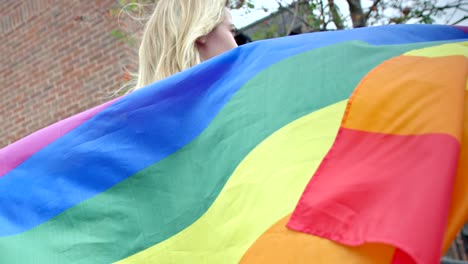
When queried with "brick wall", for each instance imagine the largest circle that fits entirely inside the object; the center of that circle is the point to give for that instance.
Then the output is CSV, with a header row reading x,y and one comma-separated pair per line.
x,y
58,58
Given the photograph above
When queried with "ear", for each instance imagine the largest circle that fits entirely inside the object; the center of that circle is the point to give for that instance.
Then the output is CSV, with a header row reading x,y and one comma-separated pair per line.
x,y
201,40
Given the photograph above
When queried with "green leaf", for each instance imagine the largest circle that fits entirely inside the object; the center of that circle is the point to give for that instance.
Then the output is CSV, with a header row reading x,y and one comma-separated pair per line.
x,y
118,34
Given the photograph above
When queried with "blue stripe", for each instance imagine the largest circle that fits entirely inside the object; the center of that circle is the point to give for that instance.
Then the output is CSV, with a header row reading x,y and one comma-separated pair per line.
x,y
152,123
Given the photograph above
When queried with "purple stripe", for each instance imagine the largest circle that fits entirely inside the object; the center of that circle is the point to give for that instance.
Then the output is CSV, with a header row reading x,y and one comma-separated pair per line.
x,y
27,146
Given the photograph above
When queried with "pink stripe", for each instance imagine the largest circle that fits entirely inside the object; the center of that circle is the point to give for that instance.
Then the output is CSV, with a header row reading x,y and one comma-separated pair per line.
x,y
462,28
14,154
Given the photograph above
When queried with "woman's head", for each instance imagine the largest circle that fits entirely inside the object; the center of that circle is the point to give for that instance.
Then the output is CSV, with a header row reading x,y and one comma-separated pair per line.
x,y
181,34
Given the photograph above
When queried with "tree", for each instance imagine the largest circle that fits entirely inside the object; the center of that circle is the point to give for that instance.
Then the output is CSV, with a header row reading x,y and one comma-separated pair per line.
x,y
322,15
311,15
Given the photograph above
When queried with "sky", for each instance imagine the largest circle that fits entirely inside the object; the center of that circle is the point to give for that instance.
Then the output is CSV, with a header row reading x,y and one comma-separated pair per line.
x,y
241,19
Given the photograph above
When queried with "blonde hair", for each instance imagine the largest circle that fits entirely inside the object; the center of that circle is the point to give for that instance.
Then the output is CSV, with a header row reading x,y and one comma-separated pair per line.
x,y
169,40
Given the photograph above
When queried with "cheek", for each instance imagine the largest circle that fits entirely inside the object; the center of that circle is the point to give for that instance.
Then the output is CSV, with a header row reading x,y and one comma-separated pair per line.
x,y
229,41
232,41
224,40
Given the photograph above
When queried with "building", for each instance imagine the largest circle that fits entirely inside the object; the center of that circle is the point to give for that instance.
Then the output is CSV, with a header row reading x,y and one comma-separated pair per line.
x,y
277,24
59,58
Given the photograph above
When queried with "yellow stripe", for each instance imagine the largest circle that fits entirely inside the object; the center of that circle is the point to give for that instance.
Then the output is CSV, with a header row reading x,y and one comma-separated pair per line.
x,y
265,186
451,49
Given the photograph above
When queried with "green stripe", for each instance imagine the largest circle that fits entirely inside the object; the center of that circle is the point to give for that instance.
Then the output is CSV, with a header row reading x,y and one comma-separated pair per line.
x,y
163,199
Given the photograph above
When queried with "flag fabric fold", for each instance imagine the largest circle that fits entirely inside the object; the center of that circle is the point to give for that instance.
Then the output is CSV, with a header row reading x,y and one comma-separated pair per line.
x,y
400,145
362,160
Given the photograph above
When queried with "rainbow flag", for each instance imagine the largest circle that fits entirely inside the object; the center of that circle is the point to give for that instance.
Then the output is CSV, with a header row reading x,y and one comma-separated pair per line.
x,y
333,147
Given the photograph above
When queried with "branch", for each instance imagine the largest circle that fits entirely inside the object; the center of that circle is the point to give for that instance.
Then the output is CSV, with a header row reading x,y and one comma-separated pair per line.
x,y
448,6
335,15
374,5
460,20
357,14
451,16
292,12
322,16
293,21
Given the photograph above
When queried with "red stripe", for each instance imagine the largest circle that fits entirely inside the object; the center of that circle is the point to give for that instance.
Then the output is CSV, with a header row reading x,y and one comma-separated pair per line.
x,y
31,144
385,188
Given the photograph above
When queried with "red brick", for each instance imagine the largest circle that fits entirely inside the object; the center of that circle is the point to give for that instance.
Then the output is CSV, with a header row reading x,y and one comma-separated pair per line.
x,y
58,63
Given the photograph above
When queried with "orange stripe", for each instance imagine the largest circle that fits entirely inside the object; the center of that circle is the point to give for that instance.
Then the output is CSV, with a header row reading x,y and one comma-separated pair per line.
x,y
427,91
458,213
282,245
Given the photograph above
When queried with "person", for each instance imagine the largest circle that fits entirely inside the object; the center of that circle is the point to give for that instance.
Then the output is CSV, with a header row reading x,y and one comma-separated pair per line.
x,y
182,33
242,38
